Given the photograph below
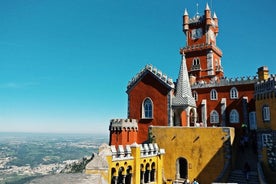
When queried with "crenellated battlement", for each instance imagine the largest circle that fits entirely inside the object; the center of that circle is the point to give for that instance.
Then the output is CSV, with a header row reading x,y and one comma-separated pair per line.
x,y
156,72
197,47
226,82
265,86
125,153
120,124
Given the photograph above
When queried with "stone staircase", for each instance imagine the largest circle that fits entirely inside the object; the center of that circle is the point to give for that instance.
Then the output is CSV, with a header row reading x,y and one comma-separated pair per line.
x,y
237,176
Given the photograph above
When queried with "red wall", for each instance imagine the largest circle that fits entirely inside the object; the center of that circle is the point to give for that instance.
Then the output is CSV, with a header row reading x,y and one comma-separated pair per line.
x,y
153,88
122,137
245,90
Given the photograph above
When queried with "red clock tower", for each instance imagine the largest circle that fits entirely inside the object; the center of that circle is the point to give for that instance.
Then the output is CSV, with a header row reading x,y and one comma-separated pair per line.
x,y
203,57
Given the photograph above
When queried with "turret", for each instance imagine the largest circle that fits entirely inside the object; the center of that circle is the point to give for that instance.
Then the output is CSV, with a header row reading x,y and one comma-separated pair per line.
x,y
208,15
215,18
185,21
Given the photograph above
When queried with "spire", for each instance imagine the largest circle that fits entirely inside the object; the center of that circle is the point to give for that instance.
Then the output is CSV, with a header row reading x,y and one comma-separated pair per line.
x,y
207,7
183,96
185,12
215,16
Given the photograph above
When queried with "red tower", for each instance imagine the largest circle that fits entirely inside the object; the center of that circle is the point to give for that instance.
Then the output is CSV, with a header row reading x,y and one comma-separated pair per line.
x,y
123,131
203,57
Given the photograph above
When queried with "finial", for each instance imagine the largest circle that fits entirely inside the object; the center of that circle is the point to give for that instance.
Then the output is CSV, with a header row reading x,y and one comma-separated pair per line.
x,y
215,16
197,9
186,12
207,7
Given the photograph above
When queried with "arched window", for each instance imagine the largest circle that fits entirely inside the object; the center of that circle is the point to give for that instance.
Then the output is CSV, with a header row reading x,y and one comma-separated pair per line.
x,y
213,94
266,113
195,95
196,61
234,93
147,109
234,116
214,117
196,64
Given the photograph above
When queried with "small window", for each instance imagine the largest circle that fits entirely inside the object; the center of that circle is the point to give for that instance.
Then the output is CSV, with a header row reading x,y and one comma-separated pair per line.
x,y
214,117
147,108
266,139
234,116
234,93
213,94
195,95
196,61
266,113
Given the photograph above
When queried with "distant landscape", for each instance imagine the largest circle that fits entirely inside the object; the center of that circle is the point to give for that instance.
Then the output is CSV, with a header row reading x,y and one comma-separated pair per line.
x,y
25,156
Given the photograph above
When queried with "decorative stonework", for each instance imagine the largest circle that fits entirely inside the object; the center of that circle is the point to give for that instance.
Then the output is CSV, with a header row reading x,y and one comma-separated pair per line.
x,y
271,154
265,86
120,124
226,82
146,150
158,73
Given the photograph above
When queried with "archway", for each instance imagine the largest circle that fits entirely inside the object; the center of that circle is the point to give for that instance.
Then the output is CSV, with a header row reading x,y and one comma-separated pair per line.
x,y
181,168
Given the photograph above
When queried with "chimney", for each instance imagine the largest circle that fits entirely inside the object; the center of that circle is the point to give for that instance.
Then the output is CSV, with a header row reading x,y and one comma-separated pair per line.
x,y
263,73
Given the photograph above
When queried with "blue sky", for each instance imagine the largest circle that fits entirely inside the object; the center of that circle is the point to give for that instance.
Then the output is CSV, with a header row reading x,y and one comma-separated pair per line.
x,y
65,64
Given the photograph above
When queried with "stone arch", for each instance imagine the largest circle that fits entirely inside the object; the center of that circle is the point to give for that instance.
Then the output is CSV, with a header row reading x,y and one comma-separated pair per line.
x,y
128,179
147,173
121,175
113,176
142,171
181,168
153,172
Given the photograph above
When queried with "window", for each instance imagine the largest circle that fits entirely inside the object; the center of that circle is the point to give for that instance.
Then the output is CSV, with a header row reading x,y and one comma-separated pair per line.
x,y
196,61
214,117
213,94
196,64
234,116
266,113
195,95
234,93
266,138
147,108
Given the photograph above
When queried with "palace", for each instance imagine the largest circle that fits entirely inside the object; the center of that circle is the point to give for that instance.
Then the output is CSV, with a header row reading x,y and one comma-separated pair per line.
x,y
197,120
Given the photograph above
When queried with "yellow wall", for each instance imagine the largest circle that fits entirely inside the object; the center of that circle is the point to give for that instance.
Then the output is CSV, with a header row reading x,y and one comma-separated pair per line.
x,y
138,162
271,102
201,147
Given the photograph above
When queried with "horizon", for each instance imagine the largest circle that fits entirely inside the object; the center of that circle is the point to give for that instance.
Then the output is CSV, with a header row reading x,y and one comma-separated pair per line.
x,y
65,65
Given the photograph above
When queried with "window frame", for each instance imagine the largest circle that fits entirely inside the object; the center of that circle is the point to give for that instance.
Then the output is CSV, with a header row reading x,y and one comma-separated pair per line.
x,y
214,117
266,138
147,112
266,113
234,116
234,93
213,94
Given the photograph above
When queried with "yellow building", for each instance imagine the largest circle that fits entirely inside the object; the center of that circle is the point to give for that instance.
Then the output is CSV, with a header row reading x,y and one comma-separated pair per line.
x,y
202,153
265,95
136,163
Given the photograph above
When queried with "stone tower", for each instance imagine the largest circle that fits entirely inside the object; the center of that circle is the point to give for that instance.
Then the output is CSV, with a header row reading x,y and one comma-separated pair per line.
x,y
202,54
183,103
